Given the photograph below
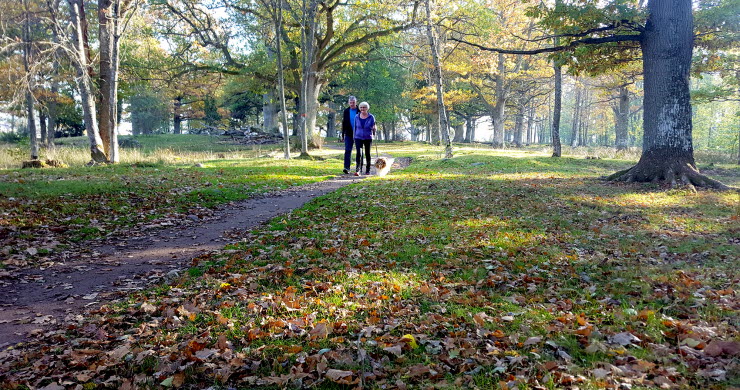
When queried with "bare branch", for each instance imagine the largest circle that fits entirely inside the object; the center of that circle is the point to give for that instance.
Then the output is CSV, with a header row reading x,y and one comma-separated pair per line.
x,y
571,45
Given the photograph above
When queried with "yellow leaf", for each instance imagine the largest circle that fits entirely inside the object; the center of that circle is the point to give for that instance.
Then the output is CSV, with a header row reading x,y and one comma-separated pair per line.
x,y
410,340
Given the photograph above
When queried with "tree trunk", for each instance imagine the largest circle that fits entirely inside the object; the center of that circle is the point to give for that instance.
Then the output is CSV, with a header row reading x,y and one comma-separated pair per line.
x,y
52,103
556,148
310,84
281,82
443,122
176,115
499,110
31,120
530,128
269,112
84,82
668,152
105,78
52,126
468,129
576,118
621,115
313,88
43,128
459,133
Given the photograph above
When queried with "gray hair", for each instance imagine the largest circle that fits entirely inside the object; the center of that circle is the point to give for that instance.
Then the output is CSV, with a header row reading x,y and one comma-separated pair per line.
x,y
351,98
364,104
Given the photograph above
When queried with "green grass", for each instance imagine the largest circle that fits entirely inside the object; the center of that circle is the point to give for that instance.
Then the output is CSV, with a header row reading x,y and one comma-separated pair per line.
x,y
474,260
158,181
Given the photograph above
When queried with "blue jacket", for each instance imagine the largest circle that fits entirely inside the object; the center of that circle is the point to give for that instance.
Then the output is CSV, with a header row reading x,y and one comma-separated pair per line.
x,y
366,131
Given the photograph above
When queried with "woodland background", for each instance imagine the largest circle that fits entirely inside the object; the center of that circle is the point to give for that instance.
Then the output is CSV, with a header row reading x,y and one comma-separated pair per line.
x,y
179,66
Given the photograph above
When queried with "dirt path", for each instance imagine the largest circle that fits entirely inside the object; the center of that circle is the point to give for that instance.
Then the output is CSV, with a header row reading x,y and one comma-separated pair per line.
x,y
40,300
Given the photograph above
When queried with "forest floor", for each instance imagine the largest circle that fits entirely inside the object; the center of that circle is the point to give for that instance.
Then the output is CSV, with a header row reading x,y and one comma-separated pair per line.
x,y
494,269
36,299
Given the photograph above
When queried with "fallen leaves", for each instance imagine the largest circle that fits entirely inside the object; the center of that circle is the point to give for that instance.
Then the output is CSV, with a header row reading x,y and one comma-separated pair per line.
x,y
503,282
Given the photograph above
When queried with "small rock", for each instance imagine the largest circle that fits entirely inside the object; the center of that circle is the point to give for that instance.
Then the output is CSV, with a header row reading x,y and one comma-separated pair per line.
x,y
193,217
198,165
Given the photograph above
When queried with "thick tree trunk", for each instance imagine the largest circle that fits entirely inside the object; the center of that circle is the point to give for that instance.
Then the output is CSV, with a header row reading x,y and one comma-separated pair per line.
x,y
31,120
281,81
469,129
42,124
621,115
176,115
557,104
517,133
313,88
668,152
499,110
84,83
459,133
530,128
117,13
53,109
105,78
576,119
52,126
444,125
269,112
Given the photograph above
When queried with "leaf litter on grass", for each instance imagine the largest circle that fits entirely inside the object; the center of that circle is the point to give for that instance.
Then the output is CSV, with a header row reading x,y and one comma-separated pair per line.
x,y
432,279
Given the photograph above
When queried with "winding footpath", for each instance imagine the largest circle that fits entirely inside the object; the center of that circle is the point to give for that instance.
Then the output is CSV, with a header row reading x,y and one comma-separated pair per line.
x,y
40,300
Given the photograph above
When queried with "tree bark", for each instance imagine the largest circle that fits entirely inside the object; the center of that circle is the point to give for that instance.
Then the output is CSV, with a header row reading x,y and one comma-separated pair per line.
x,y
621,115
518,133
668,152
557,103
42,125
444,125
27,47
499,110
105,78
281,80
530,128
469,129
84,82
576,118
176,115
269,112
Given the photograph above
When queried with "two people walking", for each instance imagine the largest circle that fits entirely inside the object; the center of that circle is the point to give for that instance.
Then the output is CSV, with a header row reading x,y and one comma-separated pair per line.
x,y
358,130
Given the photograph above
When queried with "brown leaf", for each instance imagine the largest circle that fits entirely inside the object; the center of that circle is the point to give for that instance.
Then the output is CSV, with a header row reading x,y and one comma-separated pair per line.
x,y
418,370
717,347
52,386
342,377
119,352
480,319
532,341
179,379
320,331
395,350
148,308
222,342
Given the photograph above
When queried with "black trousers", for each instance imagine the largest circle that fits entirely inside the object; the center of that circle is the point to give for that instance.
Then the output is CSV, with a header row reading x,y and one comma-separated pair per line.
x,y
360,144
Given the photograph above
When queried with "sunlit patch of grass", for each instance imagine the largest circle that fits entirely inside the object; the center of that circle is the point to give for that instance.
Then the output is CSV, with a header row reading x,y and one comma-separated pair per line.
x,y
536,247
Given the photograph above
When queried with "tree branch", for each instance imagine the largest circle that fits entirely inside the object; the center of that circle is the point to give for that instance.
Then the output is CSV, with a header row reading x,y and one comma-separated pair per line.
x,y
571,45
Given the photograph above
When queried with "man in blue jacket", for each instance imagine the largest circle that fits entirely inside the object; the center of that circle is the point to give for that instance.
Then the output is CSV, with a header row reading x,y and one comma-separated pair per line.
x,y
348,120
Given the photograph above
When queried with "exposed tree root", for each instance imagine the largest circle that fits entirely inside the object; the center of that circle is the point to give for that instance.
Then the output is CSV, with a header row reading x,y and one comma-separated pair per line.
x,y
673,174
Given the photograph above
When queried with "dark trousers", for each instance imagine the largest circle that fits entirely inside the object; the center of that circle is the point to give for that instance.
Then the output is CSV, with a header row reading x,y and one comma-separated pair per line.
x,y
349,143
360,143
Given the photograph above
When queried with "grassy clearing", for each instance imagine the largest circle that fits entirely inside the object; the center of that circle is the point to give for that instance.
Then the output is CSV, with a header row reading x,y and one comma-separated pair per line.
x,y
488,270
167,149
168,178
